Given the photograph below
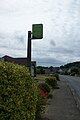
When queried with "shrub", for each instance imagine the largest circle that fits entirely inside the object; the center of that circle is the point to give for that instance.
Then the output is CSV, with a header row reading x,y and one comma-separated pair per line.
x,y
40,107
50,96
73,74
45,87
18,93
57,76
51,81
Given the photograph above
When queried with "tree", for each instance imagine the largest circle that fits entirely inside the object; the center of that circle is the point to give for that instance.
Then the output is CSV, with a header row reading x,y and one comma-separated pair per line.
x,y
74,70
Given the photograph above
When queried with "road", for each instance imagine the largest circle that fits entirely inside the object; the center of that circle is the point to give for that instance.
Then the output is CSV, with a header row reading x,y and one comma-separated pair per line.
x,y
74,83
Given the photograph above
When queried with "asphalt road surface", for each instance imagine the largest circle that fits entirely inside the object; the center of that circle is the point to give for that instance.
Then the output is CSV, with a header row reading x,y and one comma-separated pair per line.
x,y
74,83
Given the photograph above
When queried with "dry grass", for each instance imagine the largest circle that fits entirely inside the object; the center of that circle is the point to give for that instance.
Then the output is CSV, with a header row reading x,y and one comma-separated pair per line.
x,y
41,77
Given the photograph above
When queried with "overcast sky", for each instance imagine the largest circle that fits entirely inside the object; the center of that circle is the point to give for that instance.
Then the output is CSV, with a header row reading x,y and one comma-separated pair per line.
x,y
61,26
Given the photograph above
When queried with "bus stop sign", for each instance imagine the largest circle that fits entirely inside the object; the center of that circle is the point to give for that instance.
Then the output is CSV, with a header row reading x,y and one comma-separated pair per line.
x,y
37,31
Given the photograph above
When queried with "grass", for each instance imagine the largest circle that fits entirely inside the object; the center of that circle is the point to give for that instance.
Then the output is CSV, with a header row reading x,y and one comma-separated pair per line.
x,y
41,77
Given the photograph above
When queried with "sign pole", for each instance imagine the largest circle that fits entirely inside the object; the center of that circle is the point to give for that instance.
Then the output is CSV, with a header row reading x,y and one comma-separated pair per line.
x,y
37,33
29,51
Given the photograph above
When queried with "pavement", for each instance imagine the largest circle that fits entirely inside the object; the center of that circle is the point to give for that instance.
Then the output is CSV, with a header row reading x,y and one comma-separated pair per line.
x,y
62,106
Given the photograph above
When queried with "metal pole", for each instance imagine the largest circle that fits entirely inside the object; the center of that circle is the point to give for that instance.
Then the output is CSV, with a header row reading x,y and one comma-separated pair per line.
x,y
29,51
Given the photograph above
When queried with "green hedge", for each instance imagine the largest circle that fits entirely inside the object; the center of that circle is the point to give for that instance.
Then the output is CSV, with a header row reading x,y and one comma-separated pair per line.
x,y
57,76
19,95
45,87
52,81
40,107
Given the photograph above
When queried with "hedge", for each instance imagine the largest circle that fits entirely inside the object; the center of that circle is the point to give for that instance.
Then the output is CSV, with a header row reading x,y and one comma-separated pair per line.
x,y
19,95
51,81
57,76
45,87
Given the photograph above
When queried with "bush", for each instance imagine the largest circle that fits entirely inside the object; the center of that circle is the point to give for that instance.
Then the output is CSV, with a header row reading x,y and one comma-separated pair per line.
x,y
40,107
45,87
51,81
57,76
73,74
18,93
50,96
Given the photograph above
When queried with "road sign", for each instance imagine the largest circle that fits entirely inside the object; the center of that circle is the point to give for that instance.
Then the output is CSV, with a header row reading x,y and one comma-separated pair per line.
x,y
37,31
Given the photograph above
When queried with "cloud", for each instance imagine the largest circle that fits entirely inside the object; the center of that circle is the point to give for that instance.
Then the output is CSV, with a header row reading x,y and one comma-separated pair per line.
x,y
19,36
13,43
49,62
61,50
61,21
52,43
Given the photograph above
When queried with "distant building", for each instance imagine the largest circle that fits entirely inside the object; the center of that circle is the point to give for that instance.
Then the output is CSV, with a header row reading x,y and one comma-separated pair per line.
x,y
20,61
60,71
47,71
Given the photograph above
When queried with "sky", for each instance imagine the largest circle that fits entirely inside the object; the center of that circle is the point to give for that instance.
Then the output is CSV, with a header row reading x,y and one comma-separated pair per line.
x,y
61,30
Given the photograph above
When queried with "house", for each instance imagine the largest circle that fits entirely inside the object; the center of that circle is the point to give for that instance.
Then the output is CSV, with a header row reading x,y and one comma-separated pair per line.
x,y
20,61
47,71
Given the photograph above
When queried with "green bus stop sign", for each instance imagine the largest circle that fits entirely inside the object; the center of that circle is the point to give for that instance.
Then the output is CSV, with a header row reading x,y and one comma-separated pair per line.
x,y
37,31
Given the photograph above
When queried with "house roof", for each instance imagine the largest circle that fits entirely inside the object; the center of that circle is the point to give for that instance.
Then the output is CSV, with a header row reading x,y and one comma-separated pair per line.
x,y
20,61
